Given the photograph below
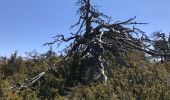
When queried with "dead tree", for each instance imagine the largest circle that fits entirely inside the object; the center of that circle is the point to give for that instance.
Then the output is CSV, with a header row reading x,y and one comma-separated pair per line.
x,y
161,44
34,55
97,36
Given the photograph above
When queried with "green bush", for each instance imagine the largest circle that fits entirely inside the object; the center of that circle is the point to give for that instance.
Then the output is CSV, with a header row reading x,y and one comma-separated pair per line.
x,y
143,80
128,84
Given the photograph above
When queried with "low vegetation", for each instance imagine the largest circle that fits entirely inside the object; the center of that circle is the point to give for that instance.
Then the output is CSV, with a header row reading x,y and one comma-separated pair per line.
x,y
103,61
142,80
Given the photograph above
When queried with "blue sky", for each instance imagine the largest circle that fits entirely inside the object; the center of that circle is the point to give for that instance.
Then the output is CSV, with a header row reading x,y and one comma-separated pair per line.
x,y
27,24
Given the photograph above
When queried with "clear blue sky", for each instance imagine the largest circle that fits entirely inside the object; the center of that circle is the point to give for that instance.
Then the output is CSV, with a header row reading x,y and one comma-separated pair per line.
x,y
27,24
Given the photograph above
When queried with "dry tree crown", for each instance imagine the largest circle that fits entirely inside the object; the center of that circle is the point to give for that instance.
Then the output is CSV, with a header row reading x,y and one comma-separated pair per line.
x,y
95,39
97,36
